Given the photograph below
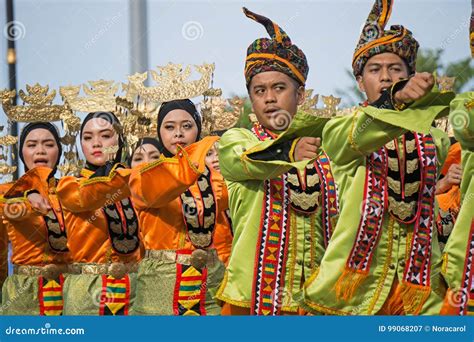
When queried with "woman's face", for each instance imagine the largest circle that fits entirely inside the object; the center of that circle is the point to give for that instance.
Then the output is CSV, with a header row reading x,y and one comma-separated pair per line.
x,y
40,149
178,128
212,158
145,153
97,135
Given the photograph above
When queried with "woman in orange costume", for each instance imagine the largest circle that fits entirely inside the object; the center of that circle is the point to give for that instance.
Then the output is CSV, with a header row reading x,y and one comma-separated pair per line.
x,y
181,270
35,224
102,225
448,194
147,151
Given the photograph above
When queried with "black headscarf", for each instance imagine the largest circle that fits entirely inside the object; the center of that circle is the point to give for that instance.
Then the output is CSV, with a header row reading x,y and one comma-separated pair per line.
x,y
112,119
144,141
185,105
40,125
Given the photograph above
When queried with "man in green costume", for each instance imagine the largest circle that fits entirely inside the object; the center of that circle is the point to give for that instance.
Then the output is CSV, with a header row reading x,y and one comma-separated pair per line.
x,y
384,256
458,256
282,197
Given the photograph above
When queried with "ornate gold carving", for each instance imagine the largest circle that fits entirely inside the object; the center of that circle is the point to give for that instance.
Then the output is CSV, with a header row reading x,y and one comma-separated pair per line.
x,y
100,96
217,116
329,109
173,82
38,105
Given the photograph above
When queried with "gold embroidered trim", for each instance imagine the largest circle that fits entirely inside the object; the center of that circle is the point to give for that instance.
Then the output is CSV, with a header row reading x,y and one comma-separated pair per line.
x,y
411,188
444,265
412,165
410,145
393,164
325,310
312,180
103,179
401,209
292,150
220,296
388,261
408,244
304,200
394,185
293,246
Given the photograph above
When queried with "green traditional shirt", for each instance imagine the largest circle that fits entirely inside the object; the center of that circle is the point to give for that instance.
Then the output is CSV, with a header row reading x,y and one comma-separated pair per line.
x,y
457,267
348,141
245,177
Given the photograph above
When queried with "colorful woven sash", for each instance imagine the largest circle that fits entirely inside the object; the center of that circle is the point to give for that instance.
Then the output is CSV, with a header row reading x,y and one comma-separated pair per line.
x,y
272,245
329,199
115,296
190,290
50,296
416,280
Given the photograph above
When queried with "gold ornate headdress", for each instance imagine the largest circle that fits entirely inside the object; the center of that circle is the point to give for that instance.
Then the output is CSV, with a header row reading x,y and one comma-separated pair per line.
x,y
220,114
138,109
38,107
329,109
98,96
6,170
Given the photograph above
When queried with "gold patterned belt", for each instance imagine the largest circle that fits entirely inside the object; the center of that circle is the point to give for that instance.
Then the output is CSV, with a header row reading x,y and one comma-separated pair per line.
x,y
198,258
50,272
116,269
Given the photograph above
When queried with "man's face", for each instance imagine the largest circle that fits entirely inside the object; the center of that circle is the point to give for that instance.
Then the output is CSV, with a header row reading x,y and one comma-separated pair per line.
x,y
275,98
379,73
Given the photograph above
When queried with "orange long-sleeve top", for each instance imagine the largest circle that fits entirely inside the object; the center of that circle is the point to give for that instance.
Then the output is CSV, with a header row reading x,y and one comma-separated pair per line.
x,y
451,199
156,188
32,243
3,241
83,199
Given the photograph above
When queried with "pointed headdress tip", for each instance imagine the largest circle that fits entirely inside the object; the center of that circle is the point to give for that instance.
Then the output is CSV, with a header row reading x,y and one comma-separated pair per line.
x,y
275,32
